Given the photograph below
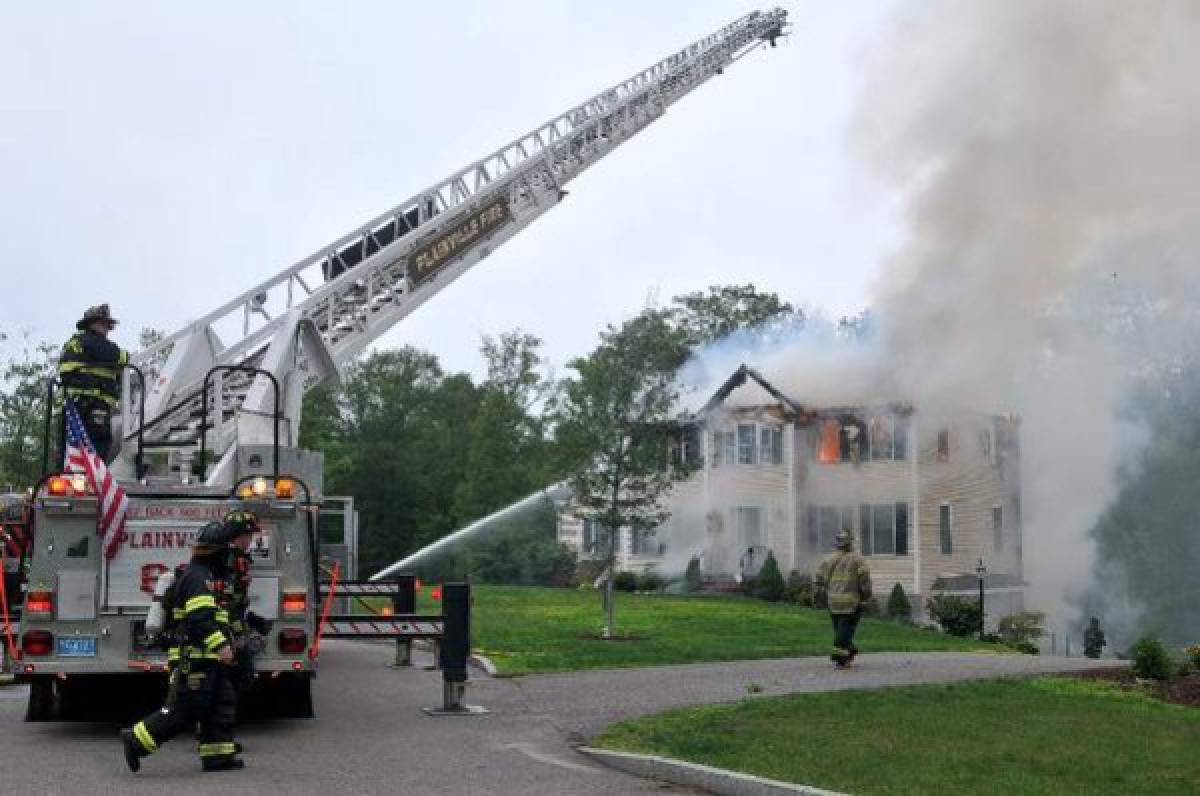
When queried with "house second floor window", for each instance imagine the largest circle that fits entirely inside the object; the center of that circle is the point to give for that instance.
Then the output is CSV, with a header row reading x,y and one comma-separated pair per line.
x,y
770,446
724,448
998,528
746,448
943,445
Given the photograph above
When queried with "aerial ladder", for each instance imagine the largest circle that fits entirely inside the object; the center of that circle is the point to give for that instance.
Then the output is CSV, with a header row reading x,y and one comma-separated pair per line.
x,y
210,414
298,328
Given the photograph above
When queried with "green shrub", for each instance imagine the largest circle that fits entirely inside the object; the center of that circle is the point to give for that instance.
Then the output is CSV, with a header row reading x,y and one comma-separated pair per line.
x,y
1193,655
769,585
799,589
693,580
1027,647
1150,659
625,581
898,606
958,616
1025,626
651,581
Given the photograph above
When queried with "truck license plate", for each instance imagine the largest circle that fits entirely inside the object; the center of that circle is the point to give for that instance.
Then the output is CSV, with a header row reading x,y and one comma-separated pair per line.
x,y
77,646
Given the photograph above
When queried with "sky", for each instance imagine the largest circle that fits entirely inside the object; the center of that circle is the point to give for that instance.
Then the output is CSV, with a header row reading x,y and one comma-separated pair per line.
x,y
164,157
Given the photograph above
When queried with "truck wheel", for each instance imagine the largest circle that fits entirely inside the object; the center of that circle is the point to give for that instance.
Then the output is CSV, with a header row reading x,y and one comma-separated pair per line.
x,y
43,702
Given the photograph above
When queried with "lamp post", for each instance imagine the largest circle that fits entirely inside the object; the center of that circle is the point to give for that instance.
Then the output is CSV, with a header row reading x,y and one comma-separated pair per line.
x,y
981,571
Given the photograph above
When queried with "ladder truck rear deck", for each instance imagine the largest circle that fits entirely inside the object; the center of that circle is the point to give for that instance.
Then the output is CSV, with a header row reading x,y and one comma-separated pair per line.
x,y
207,424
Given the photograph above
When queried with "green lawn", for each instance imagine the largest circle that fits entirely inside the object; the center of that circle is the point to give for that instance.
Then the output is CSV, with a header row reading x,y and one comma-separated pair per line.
x,y
1043,736
525,629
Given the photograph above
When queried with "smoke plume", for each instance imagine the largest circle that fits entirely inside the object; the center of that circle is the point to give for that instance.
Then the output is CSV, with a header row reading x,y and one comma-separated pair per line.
x,y
1046,153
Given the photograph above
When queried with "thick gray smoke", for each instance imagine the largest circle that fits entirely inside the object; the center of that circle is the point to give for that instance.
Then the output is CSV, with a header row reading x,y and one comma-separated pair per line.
x,y
1047,153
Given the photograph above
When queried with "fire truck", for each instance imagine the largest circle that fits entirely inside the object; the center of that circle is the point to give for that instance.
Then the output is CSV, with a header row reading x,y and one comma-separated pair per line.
x,y
210,414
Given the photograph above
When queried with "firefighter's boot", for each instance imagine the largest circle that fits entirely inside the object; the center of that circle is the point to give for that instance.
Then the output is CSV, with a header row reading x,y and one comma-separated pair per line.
x,y
223,764
132,749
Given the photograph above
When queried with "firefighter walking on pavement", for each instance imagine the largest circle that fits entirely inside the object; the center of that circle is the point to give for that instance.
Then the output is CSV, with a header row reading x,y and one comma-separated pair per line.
x,y
90,371
203,646
845,582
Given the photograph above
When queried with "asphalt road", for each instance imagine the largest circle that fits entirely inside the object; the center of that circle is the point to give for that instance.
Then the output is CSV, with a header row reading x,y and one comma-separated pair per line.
x,y
371,737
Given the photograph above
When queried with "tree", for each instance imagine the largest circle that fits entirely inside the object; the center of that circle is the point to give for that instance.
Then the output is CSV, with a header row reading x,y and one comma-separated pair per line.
x,y
508,456
707,316
898,605
23,412
614,421
769,583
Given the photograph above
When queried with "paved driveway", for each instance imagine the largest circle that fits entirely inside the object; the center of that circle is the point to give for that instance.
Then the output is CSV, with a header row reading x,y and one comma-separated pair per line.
x,y
371,737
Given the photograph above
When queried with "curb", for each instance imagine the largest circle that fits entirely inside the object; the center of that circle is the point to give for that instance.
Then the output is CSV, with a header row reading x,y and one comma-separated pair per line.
x,y
717,780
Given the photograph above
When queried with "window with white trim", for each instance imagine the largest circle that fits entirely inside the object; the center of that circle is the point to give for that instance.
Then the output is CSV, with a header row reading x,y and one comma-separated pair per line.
x,y
946,528
747,448
883,529
998,528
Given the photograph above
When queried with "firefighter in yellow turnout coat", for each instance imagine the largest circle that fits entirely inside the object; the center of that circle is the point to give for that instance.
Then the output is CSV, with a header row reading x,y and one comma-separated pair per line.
x,y
203,691
845,581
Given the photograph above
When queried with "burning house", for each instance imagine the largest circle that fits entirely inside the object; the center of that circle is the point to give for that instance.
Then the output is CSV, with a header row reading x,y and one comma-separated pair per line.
x,y
927,496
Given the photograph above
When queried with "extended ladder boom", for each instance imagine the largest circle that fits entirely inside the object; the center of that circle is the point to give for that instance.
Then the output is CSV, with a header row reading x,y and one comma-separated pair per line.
x,y
306,322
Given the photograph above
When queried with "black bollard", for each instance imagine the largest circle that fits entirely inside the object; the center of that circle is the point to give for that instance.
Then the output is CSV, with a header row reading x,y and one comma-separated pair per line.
x,y
404,603
454,651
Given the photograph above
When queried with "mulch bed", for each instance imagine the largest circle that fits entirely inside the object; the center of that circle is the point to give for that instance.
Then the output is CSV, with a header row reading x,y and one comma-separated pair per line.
x,y
1177,691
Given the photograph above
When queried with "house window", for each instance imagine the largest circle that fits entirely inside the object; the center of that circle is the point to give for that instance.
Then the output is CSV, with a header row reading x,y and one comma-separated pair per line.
x,y
943,445
595,537
998,528
749,522
853,440
724,448
829,450
900,438
887,438
883,529
770,445
824,522
745,444
690,452
642,542
945,527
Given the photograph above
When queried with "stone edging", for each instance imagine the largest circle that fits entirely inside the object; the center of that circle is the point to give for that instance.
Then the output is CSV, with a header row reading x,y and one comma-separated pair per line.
x,y
717,780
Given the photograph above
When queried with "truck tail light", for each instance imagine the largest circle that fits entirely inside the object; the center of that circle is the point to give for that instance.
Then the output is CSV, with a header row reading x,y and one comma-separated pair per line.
x,y
37,643
40,605
292,641
295,602
285,489
59,486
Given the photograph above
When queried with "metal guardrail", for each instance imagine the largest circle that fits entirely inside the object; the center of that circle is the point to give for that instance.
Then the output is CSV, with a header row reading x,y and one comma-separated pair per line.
x,y
450,632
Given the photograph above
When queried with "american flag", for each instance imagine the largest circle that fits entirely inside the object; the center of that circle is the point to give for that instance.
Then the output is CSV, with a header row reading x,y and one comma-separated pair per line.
x,y
81,457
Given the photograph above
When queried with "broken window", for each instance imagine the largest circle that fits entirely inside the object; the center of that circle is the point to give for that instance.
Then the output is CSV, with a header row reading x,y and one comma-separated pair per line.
x,y
881,431
854,439
943,445
830,446
945,529
998,528
746,444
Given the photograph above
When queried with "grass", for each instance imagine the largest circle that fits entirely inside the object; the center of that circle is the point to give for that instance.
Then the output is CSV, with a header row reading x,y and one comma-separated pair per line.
x,y
1043,736
528,629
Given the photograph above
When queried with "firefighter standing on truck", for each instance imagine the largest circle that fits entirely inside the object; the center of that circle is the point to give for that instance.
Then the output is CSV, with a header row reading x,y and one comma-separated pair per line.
x,y
204,692
845,582
90,370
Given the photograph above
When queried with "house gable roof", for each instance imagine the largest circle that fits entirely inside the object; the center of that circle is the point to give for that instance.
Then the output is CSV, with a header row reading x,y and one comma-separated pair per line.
x,y
739,377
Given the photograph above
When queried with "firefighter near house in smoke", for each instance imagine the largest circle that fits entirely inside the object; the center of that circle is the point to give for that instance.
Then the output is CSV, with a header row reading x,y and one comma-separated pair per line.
x,y
203,652
845,584
90,371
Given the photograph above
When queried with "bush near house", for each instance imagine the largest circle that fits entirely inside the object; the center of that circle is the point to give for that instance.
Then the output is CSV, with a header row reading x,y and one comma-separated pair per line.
x,y
625,581
769,584
1193,655
693,579
651,581
958,616
898,605
1151,660
1025,627
799,589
